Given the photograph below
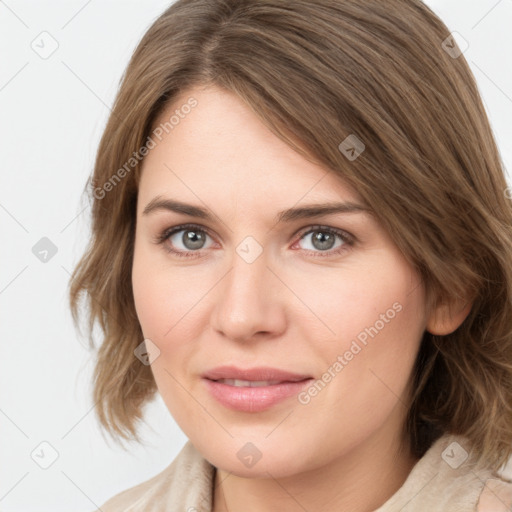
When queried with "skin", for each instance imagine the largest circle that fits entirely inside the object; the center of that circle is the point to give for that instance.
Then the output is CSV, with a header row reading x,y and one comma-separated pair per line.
x,y
292,308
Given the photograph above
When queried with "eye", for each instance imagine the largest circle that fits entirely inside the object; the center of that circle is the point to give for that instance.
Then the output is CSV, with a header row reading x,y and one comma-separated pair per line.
x,y
188,240
184,240
323,239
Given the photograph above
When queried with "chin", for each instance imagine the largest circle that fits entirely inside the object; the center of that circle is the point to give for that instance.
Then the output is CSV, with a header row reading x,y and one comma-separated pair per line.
x,y
255,459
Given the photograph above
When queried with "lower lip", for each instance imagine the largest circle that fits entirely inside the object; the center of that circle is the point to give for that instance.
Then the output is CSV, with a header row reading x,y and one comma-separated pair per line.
x,y
247,399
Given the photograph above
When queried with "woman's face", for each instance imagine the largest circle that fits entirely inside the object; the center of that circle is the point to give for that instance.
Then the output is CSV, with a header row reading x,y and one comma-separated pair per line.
x,y
327,297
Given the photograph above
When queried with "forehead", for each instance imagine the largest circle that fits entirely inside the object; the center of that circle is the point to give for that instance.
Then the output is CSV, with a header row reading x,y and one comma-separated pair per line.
x,y
221,149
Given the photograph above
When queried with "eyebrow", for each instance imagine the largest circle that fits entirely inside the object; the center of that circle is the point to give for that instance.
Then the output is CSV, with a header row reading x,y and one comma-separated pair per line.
x,y
302,212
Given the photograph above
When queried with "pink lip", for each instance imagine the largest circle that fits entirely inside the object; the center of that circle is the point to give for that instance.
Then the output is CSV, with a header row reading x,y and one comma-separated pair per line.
x,y
253,399
259,373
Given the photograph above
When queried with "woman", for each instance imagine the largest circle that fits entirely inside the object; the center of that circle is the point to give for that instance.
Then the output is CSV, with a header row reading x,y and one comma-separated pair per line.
x,y
302,241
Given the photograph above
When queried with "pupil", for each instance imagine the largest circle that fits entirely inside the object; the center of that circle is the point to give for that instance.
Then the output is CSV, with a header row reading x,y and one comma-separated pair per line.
x,y
193,239
323,240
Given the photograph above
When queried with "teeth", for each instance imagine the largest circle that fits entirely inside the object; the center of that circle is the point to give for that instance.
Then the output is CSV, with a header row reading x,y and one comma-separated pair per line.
x,y
248,383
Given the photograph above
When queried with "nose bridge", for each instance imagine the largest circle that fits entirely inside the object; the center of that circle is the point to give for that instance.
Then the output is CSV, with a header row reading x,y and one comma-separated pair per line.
x,y
247,303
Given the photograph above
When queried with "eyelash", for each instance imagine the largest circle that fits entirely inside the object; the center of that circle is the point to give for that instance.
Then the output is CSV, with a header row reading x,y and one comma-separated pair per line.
x,y
347,238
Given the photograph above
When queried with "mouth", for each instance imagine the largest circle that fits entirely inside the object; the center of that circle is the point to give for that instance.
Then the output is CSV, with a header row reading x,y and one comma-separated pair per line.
x,y
262,375
253,390
249,383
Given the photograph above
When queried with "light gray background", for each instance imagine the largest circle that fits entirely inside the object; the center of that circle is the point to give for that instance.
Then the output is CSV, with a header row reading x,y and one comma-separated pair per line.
x,y
53,111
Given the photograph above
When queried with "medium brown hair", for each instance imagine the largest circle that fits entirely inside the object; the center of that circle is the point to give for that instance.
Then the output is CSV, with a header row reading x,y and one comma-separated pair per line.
x,y
319,72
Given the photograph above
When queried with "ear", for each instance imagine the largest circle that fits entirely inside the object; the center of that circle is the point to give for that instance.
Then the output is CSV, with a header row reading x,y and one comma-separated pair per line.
x,y
448,316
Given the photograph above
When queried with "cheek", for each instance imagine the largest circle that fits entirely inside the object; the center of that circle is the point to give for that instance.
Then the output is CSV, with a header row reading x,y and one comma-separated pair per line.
x,y
375,322
147,294
162,295
378,295
171,307
162,301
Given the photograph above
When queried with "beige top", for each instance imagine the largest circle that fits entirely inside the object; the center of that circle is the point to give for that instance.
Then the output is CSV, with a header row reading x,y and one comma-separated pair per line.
x,y
443,480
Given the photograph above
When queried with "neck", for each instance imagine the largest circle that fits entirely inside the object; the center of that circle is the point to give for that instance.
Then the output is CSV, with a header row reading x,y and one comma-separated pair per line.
x,y
360,481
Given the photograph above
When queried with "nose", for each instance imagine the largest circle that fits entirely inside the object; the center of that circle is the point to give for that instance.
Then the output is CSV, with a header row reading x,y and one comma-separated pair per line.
x,y
249,301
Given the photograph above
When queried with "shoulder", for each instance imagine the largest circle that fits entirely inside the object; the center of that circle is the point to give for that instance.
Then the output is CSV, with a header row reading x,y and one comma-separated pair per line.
x,y
184,484
447,478
496,495
462,484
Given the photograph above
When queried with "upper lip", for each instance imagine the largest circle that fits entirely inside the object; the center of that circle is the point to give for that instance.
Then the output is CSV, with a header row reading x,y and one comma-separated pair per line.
x,y
261,373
